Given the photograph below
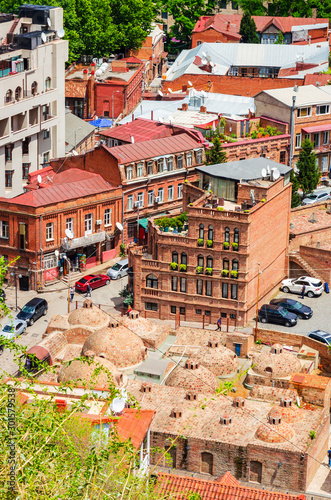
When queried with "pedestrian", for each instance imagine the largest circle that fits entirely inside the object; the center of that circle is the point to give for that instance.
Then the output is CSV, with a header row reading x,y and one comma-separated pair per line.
x,y
88,291
329,455
303,291
72,293
219,324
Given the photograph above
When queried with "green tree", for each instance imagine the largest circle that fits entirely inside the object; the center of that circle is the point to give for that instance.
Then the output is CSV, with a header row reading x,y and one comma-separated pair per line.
x,y
280,38
308,174
248,29
296,200
254,7
216,153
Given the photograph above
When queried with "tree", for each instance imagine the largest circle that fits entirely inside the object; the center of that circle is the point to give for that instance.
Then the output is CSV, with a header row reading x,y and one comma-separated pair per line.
x,y
296,200
254,7
308,174
216,153
280,39
248,29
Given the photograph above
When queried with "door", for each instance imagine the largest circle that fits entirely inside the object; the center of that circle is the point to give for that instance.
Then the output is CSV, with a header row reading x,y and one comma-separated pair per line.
x,y
88,224
95,283
296,286
255,471
38,311
237,348
24,283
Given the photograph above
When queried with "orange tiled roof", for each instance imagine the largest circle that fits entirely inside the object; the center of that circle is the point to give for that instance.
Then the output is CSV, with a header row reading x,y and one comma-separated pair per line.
x,y
134,424
314,381
214,490
74,88
228,479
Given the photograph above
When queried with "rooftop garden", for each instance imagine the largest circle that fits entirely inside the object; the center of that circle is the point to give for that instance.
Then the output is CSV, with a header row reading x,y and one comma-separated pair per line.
x,y
255,132
178,224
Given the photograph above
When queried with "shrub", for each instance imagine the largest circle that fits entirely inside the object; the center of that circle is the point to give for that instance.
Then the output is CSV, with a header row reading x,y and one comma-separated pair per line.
x,y
226,245
246,211
199,269
220,209
173,222
312,434
233,135
182,267
190,204
235,246
209,271
122,250
258,342
254,135
200,242
166,222
263,200
209,243
234,274
174,265
225,272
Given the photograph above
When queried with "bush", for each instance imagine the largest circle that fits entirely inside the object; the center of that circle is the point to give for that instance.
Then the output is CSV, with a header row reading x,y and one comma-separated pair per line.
x,y
186,181
235,246
182,267
199,269
234,274
225,272
312,434
220,209
200,242
209,271
166,222
122,250
174,265
209,243
226,245
246,211
258,342
263,200
254,135
190,204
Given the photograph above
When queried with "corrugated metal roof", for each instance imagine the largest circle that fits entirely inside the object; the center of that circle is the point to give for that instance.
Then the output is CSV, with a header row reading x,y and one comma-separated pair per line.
x,y
76,131
140,130
305,95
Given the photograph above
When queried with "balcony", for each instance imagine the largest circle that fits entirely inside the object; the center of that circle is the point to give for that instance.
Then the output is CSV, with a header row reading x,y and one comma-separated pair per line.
x,y
84,241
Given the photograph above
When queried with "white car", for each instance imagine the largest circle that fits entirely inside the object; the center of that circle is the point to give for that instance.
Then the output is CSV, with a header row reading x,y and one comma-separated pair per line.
x,y
314,287
316,197
12,330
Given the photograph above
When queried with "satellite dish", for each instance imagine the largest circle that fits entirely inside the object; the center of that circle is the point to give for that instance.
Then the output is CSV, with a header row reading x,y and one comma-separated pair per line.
x,y
252,196
190,83
43,37
276,174
49,22
39,179
119,226
204,61
74,152
263,173
69,234
98,72
57,253
60,33
160,93
169,90
117,405
268,170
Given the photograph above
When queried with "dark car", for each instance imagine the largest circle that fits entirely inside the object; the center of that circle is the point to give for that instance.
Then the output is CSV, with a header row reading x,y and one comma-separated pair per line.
x,y
302,311
33,310
94,280
321,336
277,314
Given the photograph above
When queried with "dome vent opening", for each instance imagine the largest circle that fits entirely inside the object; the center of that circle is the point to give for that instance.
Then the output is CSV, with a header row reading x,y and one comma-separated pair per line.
x,y
192,364
225,420
286,402
213,343
239,402
176,413
191,396
146,387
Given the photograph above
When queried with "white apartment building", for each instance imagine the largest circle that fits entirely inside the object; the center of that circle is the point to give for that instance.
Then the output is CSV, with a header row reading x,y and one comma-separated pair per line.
x,y
32,93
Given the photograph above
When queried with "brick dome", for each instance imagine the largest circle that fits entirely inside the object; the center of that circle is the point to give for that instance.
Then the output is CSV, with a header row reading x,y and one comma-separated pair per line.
x,y
118,345
80,370
218,359
192,377
140,325
289,414
276,363
89,315
271,433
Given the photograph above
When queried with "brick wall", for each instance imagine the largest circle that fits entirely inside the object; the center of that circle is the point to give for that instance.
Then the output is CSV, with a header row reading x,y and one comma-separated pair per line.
x,y
245,341
275,148
211,36
319,259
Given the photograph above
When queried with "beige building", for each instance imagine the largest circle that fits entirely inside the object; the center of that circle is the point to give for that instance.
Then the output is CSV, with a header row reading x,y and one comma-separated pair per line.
x,y
32,109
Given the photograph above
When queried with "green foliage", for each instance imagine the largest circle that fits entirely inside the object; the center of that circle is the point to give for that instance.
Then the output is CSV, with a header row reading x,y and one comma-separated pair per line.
x,y
258,342
254,134
235,246
122,250
225,272
280,39
220,209
246,211
174,266
254,7
193,496
312,434
199,270
216,153
308,174
209,243
226,244
200,242
296,200
263,200
234,274
248,29
183,267
209,271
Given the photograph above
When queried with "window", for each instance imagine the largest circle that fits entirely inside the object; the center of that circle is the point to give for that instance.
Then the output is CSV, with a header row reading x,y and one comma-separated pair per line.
x,y
9,179
9,152
200,261
325,137
150,306
18,93
316,141
140,200
236,236
107,217
47,83
179,161
173,309
45,134
9,96
164,15
323,110
223,315
151,281
180,191
225,290
88,224
46,157
25,170
226,264
210,232
5,229
298,141
209,262
160,163
182,311
170,165
282,157
130,202
199,287
34,88
25,146
140,170
304,112
227,235
50,261
150,167
198,311
174,283
129,173
183,285
232,316
209,288
324,164
49,231
150,197
201,232
170,193
198,155
189,159
234,291
23,236
207,313
160,194
183,258
45,111
235,265
70,224
175,257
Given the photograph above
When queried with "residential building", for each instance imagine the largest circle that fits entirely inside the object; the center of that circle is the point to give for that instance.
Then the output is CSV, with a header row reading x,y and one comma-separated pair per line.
x,y
223,249
36,224
245,69
224,28
80,135
312,118
32,111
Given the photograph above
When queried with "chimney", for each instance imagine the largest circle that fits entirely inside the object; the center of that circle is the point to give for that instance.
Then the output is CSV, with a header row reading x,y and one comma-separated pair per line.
x,y
152,114
85,74
91,93
203,109
184,106
228,26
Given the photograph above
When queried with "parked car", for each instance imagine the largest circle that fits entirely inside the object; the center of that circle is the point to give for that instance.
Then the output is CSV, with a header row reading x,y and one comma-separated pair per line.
x,y
314,287
302,311
118,270
277,314
13,329
316,197
33,310
94,280
321,336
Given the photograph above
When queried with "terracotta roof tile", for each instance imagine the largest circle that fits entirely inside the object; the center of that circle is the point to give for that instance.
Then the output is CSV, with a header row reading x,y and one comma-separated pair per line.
x,y
314,381
228,479
74,88
134,424
140,129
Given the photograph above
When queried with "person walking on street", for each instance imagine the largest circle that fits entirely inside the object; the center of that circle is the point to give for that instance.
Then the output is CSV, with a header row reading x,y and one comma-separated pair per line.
x,y
88,291
329,455
303,292
219,324
72,293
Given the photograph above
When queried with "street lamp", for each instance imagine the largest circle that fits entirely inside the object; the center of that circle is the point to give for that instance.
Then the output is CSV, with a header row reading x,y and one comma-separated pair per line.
x,y
16,275
112,103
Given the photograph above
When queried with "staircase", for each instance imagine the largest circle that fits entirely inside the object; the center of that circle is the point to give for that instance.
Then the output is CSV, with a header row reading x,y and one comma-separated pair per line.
x,y
74,276
12,29
309,271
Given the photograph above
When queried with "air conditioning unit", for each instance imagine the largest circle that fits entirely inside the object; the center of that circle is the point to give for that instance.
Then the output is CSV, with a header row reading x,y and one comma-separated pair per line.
x,y
98,222
157,199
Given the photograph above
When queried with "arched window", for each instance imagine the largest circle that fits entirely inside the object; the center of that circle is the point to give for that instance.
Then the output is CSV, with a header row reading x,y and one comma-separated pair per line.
x,y
226,264
207,461
18,93
201,231
151,281
9,95
255,471
236,236
47,83
183,258
210,232
235,265
34,88
227,234
200,261
209,261
175,257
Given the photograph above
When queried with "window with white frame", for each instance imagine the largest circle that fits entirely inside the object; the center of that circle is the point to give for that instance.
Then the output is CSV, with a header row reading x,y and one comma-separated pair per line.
x,y
150,167
304,112
88,224
140,199
160,164
160,194
107,217
170,165
130,202
129,172
140,169
50,261
323,109
150,197
326,137
316,141
307,137
46,157
189,159
179,161
324,164
298,141
180,191
49,231
199,156
5,229
170,193
70,224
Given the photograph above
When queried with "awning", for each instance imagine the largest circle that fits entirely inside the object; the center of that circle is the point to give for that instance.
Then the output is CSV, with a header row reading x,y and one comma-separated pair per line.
x,y
143,223
317,128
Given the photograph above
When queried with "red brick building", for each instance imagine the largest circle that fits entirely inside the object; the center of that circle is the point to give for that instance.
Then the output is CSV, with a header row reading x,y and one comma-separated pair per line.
x,y
34,224
243,227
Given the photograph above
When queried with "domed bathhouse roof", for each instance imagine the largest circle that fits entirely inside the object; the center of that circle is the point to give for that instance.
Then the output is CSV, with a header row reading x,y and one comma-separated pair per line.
x,y
220,360
193,376
89,315
276,363
288,411
276,431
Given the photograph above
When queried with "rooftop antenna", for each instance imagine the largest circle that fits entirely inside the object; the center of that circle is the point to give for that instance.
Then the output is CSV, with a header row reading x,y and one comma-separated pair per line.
x,y
43,37
49,22
263,173
268,170
132,139
190,83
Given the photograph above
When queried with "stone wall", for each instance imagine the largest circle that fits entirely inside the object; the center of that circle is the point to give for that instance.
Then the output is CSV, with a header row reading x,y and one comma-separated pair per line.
x,y
319,259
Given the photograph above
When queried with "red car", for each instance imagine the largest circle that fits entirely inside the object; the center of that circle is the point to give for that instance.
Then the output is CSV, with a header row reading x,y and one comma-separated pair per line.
x,y
95,280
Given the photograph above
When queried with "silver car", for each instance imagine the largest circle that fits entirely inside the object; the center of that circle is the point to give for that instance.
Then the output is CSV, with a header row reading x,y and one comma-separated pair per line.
x,y
13,329
315,198
118,270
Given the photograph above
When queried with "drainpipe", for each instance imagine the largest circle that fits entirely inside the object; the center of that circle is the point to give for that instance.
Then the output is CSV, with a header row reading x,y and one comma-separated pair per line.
x,y
41,252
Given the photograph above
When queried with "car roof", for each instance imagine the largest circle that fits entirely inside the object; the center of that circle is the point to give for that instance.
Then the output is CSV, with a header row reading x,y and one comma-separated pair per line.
x,y
323,334
309,278
123,261
35,301
271,306
14,321
284,299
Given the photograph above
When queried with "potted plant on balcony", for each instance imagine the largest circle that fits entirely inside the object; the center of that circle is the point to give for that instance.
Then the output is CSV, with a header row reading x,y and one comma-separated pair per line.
x,y
209,271
235,246
183,268
220,209
234,274
200,242
226,245
174,266
179,225
225,272
209,243
166,224
199,270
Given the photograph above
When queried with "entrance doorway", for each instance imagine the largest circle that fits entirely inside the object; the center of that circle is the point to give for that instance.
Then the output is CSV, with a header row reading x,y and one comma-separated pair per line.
x,y
24,283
